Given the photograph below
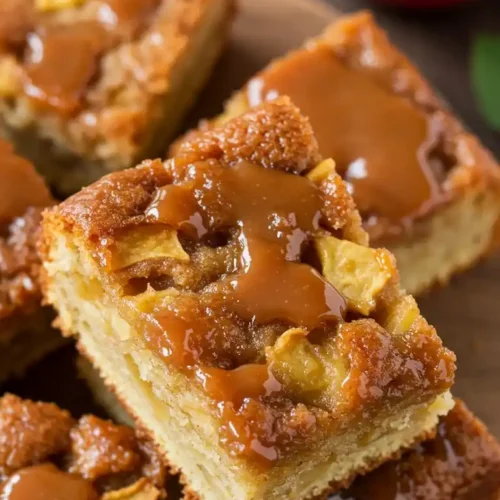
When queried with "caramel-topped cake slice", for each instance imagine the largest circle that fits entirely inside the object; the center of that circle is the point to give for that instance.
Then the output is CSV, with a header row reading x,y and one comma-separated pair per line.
x,y
228,296
86,85
46,454
425,188
25,332
461,463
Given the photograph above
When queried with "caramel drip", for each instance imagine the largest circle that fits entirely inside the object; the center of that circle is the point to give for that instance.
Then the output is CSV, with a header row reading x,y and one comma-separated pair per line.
x,y
127,16
20,186
62,62
380,141
63,59
47,482
274,214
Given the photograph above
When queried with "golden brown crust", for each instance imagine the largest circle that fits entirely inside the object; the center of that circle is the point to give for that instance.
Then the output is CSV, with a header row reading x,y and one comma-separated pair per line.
x,y
275,135
109,455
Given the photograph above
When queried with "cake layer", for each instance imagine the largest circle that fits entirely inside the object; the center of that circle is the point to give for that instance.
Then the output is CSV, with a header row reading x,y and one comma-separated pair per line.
x,y
132,69
424,186
228,295
25,332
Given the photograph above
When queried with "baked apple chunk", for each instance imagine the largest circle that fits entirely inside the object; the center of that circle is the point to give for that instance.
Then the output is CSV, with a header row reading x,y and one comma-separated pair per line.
x,y
228,296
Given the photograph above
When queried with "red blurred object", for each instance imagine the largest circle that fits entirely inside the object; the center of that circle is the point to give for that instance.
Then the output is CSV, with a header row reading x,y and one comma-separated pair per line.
x,y
424,4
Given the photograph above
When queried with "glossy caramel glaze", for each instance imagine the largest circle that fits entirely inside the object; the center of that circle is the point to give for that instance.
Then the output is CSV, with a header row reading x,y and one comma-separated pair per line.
x,y
382,142
461,463
45,451
62,58
47,482
241,205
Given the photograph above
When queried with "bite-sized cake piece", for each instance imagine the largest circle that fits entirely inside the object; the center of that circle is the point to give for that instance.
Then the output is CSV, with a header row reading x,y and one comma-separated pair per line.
x,y
426,188
461,463
25,332
228,296
91,86
45,453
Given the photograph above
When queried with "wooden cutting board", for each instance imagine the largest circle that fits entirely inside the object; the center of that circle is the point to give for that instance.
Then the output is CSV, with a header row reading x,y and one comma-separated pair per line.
x,y
466,313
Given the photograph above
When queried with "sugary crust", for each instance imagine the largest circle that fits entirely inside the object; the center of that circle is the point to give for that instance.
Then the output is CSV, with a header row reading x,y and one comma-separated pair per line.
x,y
119,107
100,451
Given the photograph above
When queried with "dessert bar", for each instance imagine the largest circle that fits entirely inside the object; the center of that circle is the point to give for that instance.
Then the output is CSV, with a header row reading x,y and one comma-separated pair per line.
x,y
425,187
25,331
228,296
91,86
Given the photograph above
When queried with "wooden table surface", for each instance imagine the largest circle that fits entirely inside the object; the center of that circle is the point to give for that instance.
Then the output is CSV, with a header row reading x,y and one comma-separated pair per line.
x,y
467,312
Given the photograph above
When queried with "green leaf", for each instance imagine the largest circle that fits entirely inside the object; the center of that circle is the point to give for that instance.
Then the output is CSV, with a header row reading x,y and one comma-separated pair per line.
x,y
486,76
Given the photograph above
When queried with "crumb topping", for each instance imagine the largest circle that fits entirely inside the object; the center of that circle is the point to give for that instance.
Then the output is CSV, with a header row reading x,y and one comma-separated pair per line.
x,y
39,440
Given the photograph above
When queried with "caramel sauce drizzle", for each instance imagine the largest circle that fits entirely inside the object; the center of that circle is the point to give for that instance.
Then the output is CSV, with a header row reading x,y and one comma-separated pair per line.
x,y
274,214
61,63
47,482
63,59
380,141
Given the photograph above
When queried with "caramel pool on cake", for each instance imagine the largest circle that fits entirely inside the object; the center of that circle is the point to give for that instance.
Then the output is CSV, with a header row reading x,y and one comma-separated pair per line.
x,y
46,454
424,186
92,86
228,296
25,331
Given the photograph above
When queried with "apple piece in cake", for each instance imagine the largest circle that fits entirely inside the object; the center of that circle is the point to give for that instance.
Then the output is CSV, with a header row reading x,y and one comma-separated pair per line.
x,y
228,296
25,332
425,187
88,87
